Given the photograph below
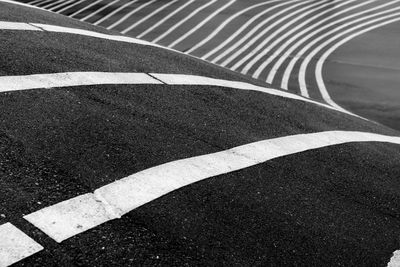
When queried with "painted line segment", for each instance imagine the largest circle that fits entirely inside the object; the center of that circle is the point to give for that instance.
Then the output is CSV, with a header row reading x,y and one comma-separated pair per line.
x,y
74,216
15,245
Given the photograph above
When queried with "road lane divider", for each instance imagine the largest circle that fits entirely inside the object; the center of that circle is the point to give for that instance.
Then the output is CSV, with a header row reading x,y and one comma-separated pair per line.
x,y
15,245
74,216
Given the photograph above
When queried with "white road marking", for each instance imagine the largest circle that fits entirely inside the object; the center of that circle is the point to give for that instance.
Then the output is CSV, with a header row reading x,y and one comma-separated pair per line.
x,y
322,59
165,19
36,81
288,20
226,22
149,16
5,25
265,22
71,217
127,16
114,12
309,57
300,54
99,10
311,20
21,4
69,6
201,24
64,3
52,3
241,29
171,29
15,245
395,259
85,8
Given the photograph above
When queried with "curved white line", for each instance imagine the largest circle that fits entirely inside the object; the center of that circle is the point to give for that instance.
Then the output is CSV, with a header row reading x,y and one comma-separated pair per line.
x,y
64,3
149,16
114,12
289,68
99,10
74,216
162,36
69,6
85,8
253,30
226,22
201,24
164,19
267,29
321,61
243,27
282,35
314,23
309,57
127,16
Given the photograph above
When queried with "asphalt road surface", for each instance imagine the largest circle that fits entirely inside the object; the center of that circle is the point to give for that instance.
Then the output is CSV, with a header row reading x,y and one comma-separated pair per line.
x,y
288,44
116,152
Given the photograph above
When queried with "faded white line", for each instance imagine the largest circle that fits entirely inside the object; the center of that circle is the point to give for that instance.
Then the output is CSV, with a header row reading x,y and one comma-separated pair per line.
x,y
165,19
171,29
201,24
15,245
71,217
127,16
65,79
149,16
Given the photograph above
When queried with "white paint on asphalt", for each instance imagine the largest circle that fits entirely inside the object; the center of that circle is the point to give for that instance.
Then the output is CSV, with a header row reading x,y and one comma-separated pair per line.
x,y
114,12
5,25
148,16
127,16
15,245
21,4
69,6
201,24
37,81
165,19
322,59
225,23
71,217
395,259
85,8
99,10
287,20
171,29
240,30
62,4
306,61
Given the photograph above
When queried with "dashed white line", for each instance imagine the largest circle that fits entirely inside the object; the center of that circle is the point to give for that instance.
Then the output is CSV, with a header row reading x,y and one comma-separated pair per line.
x,y
71,217
15,245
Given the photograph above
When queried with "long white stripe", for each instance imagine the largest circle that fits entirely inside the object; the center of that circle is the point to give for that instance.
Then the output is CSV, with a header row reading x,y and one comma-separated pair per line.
x,y
43,3
309,57
5,25
149,16
114,12
52,3
71,217
289,68
226,22
289,33
15,245
35,81
21,4
201,24
99,10
251,32
127,16
69,6
85,8
288,20
183,21
165,19
321,61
